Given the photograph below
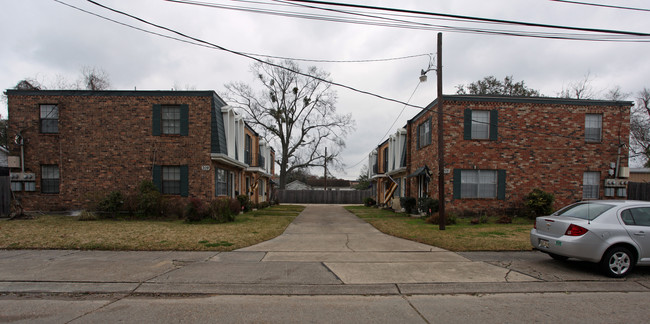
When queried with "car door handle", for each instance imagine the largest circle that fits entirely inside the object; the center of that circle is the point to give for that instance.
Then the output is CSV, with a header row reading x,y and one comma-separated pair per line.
x,y
639,233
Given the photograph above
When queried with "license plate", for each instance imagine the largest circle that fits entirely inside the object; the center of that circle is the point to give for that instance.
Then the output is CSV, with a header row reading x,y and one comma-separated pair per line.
x,y
544,243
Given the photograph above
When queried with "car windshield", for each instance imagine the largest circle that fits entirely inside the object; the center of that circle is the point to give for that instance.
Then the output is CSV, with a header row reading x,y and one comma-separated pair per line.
x,y
586,210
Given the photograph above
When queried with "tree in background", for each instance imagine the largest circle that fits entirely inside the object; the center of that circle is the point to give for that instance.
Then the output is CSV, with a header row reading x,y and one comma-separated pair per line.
x,y
640,128
297,112
95,78
491,86
581,89
364,180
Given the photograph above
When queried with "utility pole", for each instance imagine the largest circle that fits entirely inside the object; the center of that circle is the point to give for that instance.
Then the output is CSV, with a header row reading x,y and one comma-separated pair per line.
x,y
441,142
325,177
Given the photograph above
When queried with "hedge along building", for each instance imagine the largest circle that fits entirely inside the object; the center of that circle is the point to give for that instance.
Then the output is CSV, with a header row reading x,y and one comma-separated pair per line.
x,y
80,143
498,149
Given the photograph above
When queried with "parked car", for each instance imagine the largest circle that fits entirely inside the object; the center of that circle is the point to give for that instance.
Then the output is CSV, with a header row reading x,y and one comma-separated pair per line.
x,y
614,234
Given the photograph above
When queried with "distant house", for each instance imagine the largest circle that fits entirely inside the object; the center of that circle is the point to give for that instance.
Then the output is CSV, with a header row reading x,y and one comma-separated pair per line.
x,y
498,149
639,175
297,185
188,143
330,184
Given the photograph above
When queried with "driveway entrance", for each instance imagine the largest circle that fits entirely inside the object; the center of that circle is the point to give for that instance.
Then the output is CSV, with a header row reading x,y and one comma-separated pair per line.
x,y
357,253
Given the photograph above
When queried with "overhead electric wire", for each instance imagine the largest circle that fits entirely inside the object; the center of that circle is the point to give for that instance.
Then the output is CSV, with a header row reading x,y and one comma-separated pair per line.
x,y
380,21
394,122
471,18
459,117
601,5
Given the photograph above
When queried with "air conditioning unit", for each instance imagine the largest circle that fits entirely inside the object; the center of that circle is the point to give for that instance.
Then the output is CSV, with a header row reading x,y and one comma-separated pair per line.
x,y
624,172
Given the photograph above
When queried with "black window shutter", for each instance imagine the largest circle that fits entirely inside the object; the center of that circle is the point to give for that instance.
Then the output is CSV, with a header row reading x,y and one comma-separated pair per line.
x,y
494,122
157,120
467,130
157,177
185,190
457,183
185,120
501,184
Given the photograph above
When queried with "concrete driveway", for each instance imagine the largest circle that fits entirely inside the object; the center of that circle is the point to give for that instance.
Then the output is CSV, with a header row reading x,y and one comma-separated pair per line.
x,y
357,253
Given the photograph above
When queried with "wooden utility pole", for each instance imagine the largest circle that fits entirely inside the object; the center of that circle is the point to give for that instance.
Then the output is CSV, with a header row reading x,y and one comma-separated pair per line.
x,y
325,177
441,143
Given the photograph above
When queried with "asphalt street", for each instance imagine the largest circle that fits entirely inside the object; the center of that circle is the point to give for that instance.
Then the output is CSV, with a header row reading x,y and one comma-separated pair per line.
x,y
328,266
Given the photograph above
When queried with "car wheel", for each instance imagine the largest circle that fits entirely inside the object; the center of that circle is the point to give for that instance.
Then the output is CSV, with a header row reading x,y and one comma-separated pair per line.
x,y
617,262
558,257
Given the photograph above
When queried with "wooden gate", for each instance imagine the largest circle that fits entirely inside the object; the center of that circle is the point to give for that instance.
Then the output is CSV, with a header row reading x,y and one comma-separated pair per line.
x,y
638,191
323,196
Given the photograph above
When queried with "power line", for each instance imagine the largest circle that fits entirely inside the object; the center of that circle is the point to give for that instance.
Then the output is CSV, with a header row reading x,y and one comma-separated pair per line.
x,y
374,20
471,18
393,124
248,56
211,45
601,5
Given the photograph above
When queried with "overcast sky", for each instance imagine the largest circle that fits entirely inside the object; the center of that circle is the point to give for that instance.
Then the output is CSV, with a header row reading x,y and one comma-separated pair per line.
x,y
49,41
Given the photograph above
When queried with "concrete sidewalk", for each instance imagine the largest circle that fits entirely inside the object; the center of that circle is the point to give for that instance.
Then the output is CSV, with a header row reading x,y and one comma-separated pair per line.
x,y
325,251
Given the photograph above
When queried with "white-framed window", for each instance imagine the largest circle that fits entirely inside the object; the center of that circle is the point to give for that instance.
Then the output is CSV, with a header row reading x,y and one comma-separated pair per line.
x,y
424,133
590,185
478,184
171,120
50,178
593,127
423,186
222,182
480,124
49,118
171,180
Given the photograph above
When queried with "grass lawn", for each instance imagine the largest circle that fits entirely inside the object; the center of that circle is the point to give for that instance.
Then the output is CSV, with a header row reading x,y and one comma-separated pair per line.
x,y
67,232
462,236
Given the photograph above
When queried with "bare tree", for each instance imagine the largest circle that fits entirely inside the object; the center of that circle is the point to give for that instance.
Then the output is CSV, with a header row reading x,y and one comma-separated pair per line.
x,y
295,111
640,128
94,78
581,89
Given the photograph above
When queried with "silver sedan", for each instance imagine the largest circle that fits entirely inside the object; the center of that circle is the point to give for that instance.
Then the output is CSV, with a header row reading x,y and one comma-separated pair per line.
x,y
614,234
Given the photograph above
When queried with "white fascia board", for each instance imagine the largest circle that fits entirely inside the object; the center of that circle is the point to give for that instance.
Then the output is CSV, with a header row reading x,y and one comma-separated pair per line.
x,y
225,159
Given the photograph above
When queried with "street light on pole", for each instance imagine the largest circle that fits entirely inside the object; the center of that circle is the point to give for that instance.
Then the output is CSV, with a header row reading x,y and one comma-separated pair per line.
x,y
441,142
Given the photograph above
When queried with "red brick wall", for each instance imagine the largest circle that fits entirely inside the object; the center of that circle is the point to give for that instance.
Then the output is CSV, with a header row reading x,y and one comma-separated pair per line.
x,y
105,143
540,145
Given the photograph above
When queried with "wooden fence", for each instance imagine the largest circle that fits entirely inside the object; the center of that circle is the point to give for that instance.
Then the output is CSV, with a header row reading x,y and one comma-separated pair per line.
x,y
638,191
322,196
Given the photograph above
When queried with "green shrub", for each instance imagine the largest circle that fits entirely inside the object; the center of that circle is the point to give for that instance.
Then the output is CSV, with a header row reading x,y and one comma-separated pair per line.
x,y
435,219
220,211
195,210
245,203
408,203
235,206
428,205
369,202
149,200
539,202
111,204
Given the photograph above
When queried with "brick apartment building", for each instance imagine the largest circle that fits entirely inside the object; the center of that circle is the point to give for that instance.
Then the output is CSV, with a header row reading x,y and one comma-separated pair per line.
x,y
76,143
498,149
